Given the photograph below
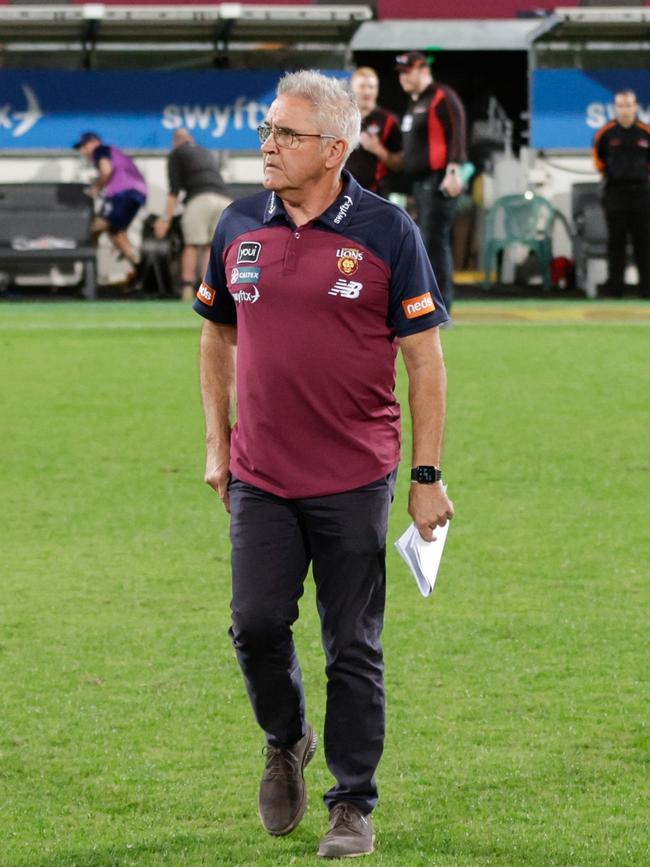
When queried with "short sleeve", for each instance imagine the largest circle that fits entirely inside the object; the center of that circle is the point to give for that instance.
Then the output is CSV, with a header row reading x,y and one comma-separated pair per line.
x,y
393,141
174,173
415,303
102,151
213,300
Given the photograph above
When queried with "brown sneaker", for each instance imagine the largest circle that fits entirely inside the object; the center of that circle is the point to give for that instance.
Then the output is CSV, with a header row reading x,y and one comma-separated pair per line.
x,y
350,833
283,795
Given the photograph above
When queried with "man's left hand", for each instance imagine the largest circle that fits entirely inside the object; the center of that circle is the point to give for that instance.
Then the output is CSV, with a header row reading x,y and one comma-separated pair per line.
x,y
430,507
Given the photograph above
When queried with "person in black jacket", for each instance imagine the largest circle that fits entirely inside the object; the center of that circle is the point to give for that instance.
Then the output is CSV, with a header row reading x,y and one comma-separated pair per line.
x,y
622,156
434,133
380,146
192,168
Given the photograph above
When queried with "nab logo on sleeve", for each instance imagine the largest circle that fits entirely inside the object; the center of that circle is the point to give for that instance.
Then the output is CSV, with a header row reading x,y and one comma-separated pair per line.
x,y
249,252
419,306
205,294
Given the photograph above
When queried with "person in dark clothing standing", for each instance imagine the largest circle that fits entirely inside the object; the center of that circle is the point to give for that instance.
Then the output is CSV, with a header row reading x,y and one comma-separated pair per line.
x,y
434,133
380,146
193,169
622,156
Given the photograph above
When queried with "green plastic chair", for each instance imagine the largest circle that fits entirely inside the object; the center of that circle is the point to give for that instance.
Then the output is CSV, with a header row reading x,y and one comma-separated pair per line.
x,y
519,219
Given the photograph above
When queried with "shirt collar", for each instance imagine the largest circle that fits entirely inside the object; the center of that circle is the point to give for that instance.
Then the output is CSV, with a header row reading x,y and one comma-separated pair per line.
x,y
337,216
341,211
428,90
274,208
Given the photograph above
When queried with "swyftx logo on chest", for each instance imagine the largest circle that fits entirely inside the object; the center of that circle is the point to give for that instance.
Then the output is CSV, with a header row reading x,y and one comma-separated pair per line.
x,y
247,296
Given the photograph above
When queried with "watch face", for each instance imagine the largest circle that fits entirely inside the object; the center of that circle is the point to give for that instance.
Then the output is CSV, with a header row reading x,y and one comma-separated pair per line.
x,y
426,475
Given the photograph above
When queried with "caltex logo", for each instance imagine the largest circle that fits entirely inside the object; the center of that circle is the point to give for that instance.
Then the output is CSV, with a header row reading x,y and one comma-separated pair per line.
x,y
245,275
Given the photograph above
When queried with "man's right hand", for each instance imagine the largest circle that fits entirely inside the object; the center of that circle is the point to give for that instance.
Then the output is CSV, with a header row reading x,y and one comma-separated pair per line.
x,y
372,144
161,227
451,184
217,474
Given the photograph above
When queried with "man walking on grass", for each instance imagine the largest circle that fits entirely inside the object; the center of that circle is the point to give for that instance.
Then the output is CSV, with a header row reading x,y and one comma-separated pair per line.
x,y
309,285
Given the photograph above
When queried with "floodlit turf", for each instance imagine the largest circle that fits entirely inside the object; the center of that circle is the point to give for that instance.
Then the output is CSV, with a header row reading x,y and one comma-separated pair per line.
x,y
518,725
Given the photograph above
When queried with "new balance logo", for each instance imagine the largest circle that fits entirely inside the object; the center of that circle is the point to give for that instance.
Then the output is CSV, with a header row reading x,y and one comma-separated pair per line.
x,y
346,289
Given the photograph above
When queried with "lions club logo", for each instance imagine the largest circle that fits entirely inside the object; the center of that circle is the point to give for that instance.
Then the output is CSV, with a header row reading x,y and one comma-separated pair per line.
x,y
348,260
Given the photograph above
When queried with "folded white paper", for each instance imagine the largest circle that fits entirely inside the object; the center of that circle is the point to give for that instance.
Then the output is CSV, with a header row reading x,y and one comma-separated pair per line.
x,y
422,558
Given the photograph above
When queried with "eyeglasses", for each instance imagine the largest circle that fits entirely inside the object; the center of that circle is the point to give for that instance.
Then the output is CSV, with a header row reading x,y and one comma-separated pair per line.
x,y
286,138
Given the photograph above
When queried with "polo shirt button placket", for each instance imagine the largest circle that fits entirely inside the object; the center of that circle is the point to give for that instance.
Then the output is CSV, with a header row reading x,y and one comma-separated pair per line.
x,y
291,254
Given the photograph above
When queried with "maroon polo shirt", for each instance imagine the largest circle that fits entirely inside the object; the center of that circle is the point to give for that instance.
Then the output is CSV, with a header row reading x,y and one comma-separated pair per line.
x,y
318,311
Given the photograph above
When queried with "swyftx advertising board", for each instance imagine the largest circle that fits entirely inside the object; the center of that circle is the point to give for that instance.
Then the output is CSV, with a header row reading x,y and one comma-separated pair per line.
x,y
134,109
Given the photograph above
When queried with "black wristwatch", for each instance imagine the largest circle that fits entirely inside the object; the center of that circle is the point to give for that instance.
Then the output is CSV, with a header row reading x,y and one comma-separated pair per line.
x,y
426,475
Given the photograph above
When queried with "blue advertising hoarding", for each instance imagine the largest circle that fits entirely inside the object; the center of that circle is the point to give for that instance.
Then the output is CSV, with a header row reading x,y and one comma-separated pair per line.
x,y
569,105
134,109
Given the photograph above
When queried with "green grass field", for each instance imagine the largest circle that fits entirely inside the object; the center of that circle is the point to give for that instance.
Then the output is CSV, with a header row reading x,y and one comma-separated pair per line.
x,y
518,699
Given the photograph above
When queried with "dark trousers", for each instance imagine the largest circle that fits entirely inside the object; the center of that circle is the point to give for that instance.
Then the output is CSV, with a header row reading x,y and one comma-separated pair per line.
x,y
344,537
435,218
620,225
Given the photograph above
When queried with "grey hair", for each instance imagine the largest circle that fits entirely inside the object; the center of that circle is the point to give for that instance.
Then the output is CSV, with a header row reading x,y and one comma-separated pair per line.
x,y
335,106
